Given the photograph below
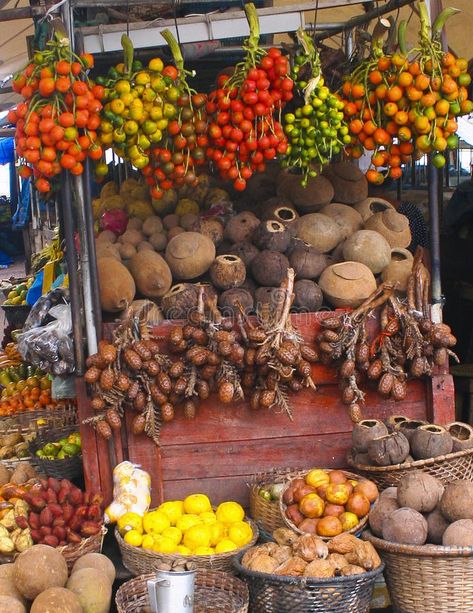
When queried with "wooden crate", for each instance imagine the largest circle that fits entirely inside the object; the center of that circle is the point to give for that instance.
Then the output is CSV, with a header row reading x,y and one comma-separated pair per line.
x,y
219,451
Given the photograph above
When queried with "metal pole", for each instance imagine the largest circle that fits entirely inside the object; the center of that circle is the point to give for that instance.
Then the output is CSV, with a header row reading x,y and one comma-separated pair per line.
x,y
90,235
433,186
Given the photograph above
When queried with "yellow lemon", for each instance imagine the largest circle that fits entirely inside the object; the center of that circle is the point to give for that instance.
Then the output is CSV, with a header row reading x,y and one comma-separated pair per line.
x,y
155,522
240,533
117,106
130,521
122,86
173,533
204,551
133,537
187,521
208,517
182,549
147,542
218,532
164,545
173,509
225,546
197,503
230,512
197,536
156,64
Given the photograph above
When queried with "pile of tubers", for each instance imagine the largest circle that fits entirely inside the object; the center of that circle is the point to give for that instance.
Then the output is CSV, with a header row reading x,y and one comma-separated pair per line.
x,y
309,556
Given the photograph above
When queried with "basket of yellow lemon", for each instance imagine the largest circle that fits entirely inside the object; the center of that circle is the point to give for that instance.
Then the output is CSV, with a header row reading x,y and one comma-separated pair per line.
x,y
191,529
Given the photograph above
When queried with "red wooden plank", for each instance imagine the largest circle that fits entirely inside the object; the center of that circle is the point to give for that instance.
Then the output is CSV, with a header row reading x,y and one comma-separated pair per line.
x,y
90,457
218,489
442,399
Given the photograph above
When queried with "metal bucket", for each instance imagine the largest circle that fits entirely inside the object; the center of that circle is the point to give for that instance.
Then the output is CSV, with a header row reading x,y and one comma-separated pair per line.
x,y
172,592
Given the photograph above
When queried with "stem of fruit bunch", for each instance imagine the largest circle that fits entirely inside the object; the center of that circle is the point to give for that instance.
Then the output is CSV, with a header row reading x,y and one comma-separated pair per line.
x,y
128,53
401,38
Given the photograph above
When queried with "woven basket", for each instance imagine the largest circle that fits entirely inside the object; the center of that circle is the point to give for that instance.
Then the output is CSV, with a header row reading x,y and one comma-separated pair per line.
x,y
215,592
279,594
446,468
427,578
32,422
301,474
267,513
141,561
13,463
67,468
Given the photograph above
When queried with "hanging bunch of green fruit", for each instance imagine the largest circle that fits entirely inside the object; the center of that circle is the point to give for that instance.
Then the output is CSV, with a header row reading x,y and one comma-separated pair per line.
x,y
316,129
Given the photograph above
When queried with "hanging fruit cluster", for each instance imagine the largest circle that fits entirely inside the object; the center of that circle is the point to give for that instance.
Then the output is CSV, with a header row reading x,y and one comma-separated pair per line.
x,y
57,122
243,134
316,129
407,103
182,148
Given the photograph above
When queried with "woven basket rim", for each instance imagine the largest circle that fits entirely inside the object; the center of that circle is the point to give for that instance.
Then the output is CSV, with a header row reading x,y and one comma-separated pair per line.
x,y
155,555
426,551
303,581
292,525
406,465
73,547
259,479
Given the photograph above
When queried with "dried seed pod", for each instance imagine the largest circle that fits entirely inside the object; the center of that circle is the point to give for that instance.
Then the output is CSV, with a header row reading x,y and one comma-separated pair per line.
x,y
133,390
362,353
167,411
180,386
207,372
331,323
449,341
176,335
385,384
107,379
202,389
224,348
399,390
213,359
132,359
262,356
256,335
348,395
440,356
197,355
254,400
152,345
188,331
108,353
92,374
174,398
103,429
250,355
151,367
237,354
264,369
179,347
295,385
375,370
426,326
138,424
200,336
122,382
95,360
267,398
190,409
224,335
142,350
157,395
287,353
392,327
97,403
177,369
417,367
355,413
326,348
271,380
330,336
248,379
363,366
347,368
286,373
226,390
163,380
309,354
196,318
139,401
113,419
304,368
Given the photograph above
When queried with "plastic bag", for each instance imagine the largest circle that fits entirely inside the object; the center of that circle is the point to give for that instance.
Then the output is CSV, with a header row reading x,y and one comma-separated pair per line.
x,y
39,313
50,347
63,387
131,492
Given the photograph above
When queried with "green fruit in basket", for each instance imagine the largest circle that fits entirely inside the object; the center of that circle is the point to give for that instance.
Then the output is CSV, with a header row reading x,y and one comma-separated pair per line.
x,y
61,455
75,439
276,491
70,449
265,494
51,449
63,442
40,453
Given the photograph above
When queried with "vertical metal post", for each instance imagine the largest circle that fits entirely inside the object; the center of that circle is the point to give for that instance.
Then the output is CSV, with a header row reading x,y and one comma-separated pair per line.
x,y
90,236
433,186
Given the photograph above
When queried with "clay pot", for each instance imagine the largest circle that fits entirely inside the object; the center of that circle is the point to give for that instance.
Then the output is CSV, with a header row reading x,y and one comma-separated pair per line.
x,y
347,284
318,193
346,217
430,441
462,435
368,247
320,231
399,269
365,431
369,206
409,426
280,210
393,226
349,183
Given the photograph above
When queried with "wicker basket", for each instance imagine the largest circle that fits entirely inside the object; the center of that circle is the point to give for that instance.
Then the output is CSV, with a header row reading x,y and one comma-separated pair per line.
x,y
427,578
278,594
33,422
14,462
301,474
267,513
215,592
67,468
141,561
446,468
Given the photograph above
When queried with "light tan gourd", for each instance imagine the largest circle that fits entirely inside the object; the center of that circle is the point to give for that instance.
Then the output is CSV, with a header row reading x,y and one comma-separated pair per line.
x,y
347,284
393,226
369,248
399,268
346,217
369,206
320,231
189,255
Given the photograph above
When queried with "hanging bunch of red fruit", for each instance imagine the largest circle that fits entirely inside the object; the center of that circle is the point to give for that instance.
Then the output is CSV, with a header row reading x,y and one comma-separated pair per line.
x,y
407,103
57,122
243,133
174,160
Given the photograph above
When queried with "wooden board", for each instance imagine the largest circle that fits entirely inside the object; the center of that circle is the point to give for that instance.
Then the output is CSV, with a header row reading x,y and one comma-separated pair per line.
x,y
219,451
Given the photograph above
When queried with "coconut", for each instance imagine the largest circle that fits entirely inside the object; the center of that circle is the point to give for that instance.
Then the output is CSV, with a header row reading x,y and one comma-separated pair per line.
x,y
462,435
380,511
347,284
179,301
365,431
266,296
318,193
393,420
213,228
456,502
393,226
245,250
436,526
430,441
306,261
189,255
345,216
337,254
405,526
209,292
227,271
171,221
419,491
241,227
230,299
320,231
399,269
369,248
388,449
409,426
146,311
272,235
188,221
308,296
459,534
158,241
369,206
269,267
152,225
349,182
389,492
279,210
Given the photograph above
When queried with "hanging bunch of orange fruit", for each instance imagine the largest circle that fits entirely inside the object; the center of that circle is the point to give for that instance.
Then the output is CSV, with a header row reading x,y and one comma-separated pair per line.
x,y
406,104
55,126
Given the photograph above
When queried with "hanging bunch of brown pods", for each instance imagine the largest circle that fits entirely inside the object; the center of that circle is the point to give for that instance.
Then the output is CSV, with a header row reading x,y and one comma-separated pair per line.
x,y
409,344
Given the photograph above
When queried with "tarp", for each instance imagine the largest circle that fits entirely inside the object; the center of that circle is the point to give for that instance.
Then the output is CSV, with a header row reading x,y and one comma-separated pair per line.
x,y
7,151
